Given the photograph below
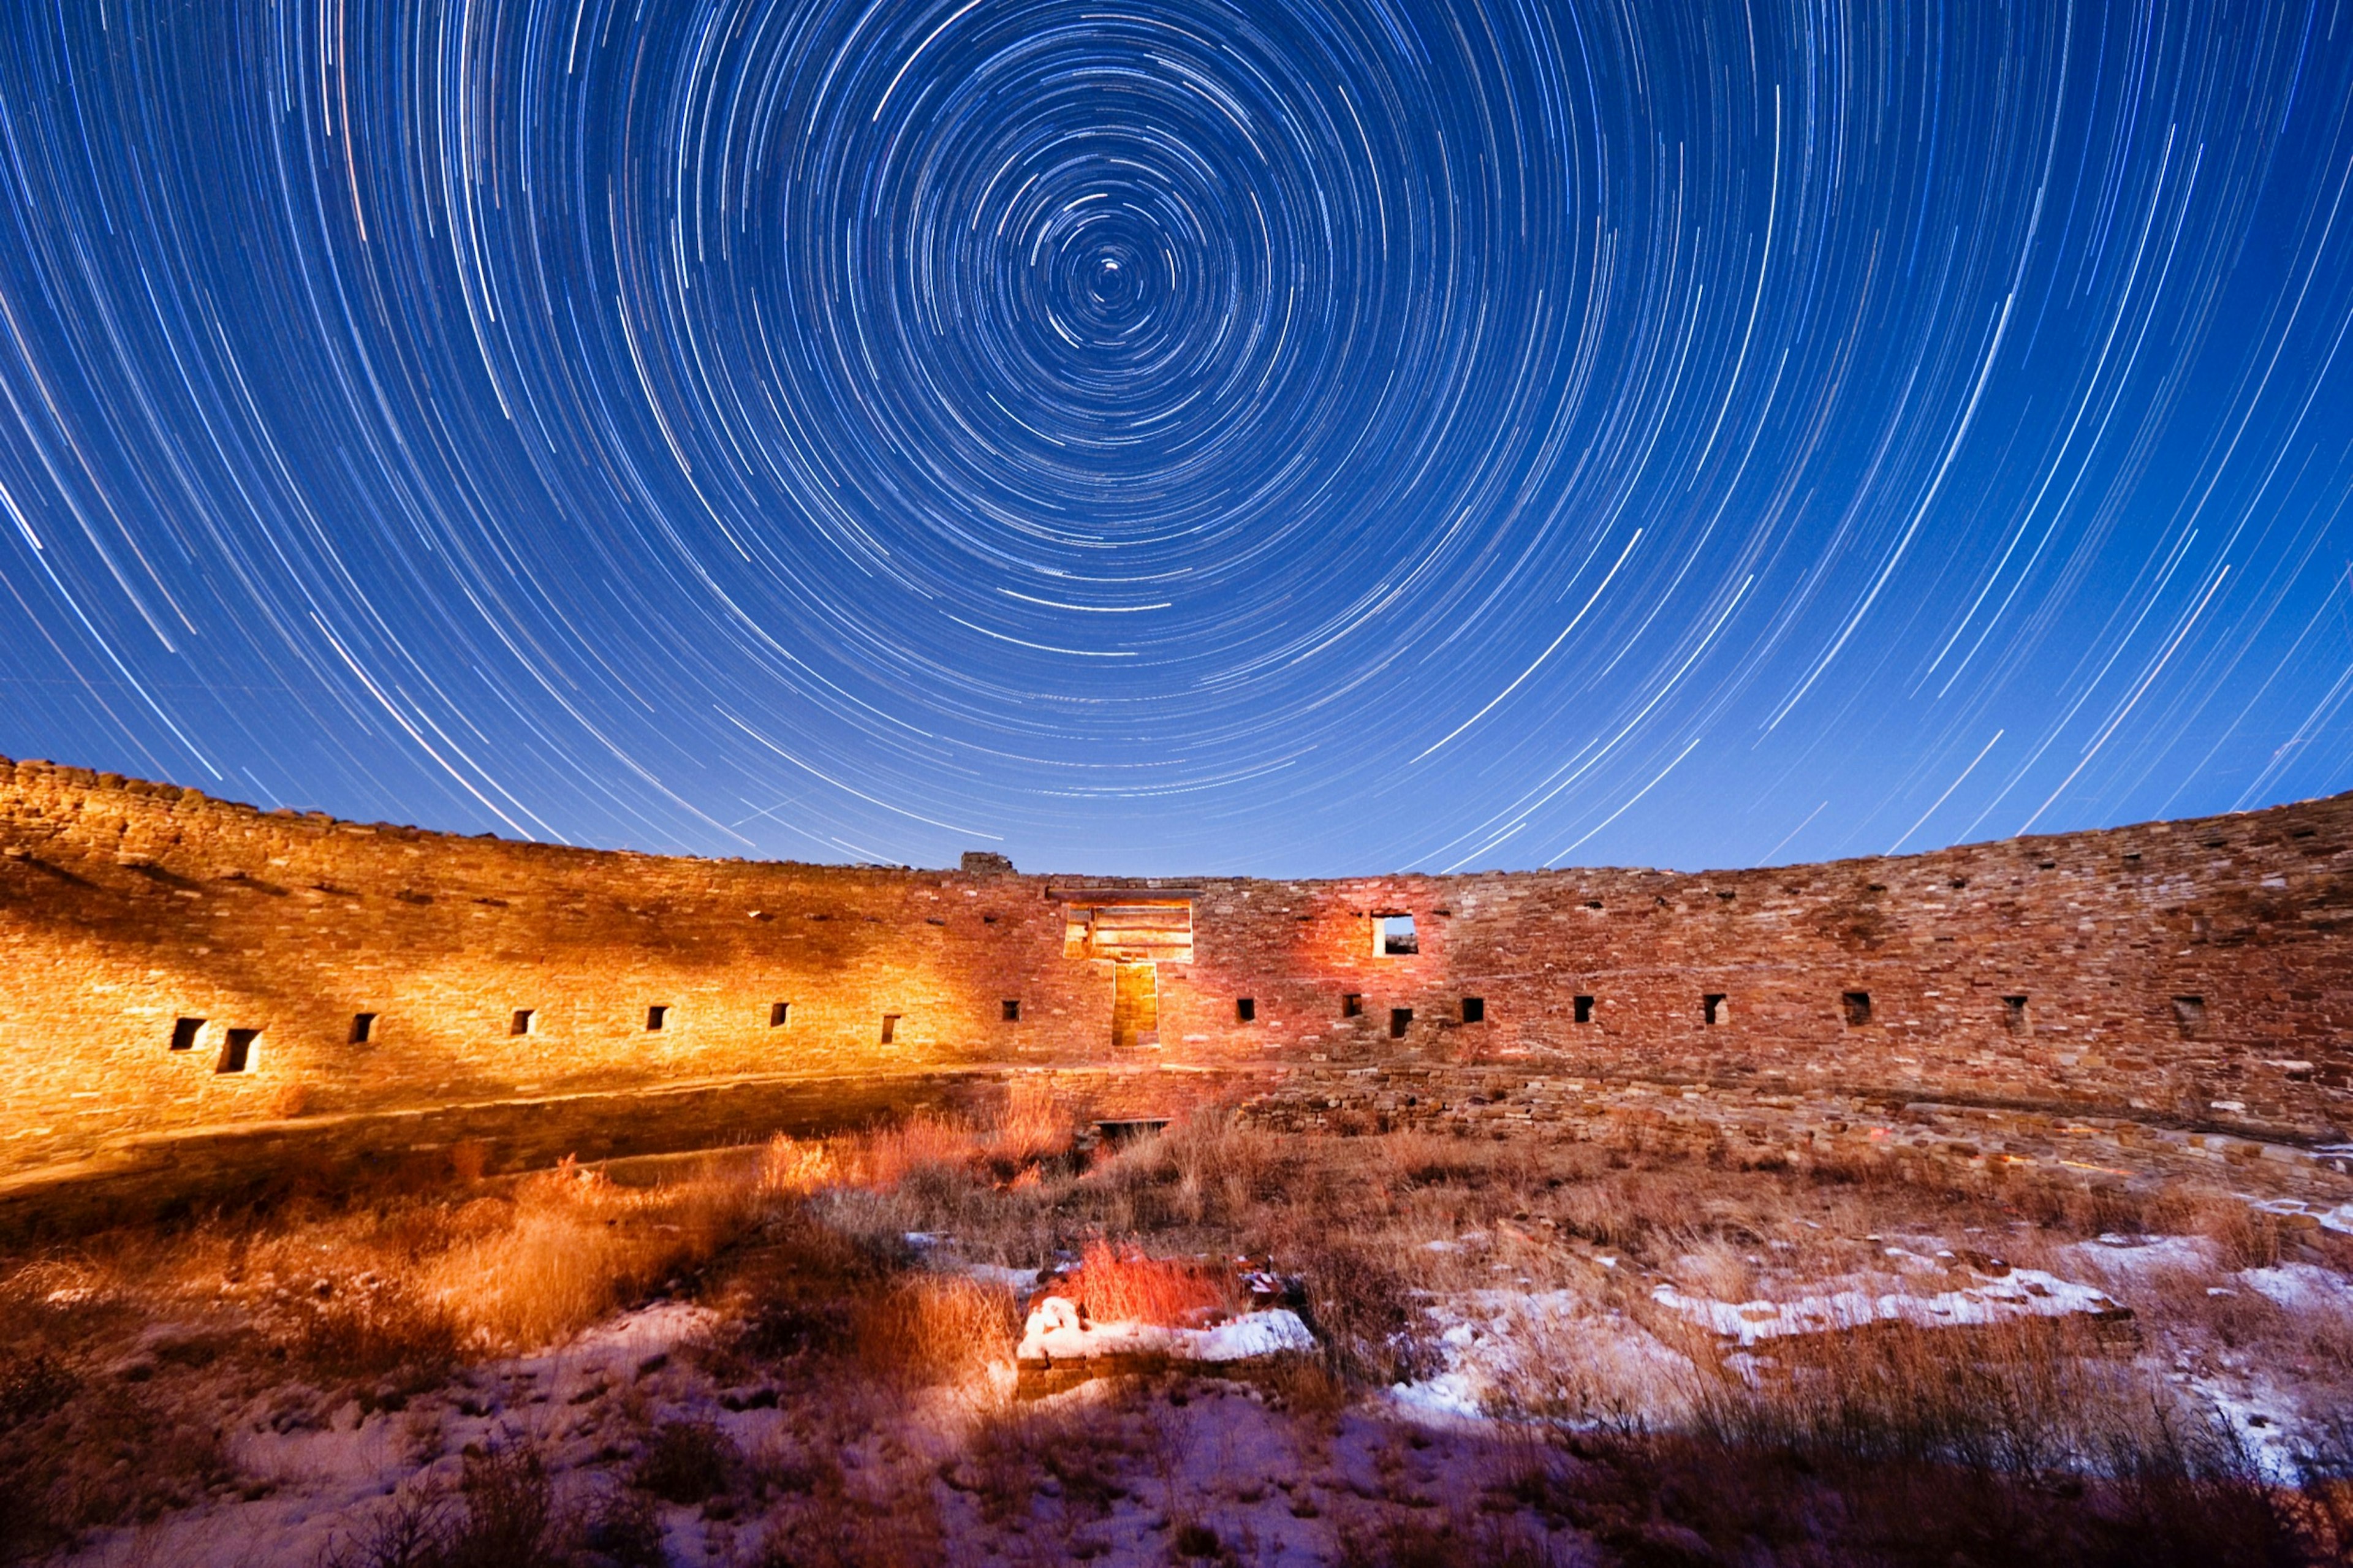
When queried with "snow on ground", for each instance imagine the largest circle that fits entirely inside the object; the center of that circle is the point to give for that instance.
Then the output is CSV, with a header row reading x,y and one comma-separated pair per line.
x,y
2016,1293
2302,1288
1547,1353
1057,1332
2126,1259
2338,1219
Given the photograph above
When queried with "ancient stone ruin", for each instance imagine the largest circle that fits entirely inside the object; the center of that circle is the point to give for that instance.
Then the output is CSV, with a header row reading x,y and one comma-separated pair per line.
x,y
186,978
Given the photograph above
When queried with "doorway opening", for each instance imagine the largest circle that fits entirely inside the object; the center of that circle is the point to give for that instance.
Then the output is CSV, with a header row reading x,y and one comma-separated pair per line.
x,y
1135,1007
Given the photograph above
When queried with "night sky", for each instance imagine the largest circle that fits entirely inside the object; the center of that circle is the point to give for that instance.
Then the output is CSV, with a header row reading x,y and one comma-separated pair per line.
x,y
1183,437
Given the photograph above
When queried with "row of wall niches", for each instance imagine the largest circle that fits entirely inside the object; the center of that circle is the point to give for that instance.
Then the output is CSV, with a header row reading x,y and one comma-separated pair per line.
x,y
237,1045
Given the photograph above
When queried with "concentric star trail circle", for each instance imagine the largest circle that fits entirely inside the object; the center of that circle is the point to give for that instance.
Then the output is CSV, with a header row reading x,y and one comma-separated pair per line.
x,y
1183,435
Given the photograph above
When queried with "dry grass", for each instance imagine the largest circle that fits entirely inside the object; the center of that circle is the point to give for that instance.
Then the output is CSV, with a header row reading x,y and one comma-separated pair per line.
x,y
928,1329
1120,1284
1825,1449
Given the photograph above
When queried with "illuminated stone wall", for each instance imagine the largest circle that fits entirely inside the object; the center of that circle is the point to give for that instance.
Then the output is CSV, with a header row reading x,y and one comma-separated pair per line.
x,y
125,907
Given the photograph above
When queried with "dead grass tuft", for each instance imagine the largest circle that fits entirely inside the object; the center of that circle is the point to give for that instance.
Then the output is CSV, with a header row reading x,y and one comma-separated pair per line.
x,y
1120,1284
930,1329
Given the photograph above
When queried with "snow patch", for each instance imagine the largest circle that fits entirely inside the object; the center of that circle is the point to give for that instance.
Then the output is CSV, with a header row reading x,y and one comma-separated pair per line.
x,y
1055,1331
2021,1293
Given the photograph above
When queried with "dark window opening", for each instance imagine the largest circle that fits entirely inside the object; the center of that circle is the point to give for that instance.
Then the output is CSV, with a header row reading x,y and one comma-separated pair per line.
x,y
1245,1009
236,1050
1352,1005
1010,1009
1585,1009
362,1028
657,1018
1399,1017
1394,936
184,1032
2013,1012
779,1015
2189,1012
1858,1008
1475,1009
526,1019
1714,1008
1593,903
890,1026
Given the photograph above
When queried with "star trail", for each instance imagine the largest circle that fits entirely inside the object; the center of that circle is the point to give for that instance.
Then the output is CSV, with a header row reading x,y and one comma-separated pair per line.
x,y
1273,437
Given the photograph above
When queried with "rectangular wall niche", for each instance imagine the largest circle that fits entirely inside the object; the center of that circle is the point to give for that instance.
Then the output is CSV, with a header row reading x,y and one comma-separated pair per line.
x,y
1857,1007
526,1021
1010,1009
2189,1012
890,1028
362,1028
779,1015
1714,1008
184,1032
1583,1005
1475,1009
1245,1009
1400,1018
1394,936
657,1018
236,1050
1352,1005
2013,1013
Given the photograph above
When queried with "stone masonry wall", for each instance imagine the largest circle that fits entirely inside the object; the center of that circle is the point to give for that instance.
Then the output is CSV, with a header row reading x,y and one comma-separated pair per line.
x,y
2190,972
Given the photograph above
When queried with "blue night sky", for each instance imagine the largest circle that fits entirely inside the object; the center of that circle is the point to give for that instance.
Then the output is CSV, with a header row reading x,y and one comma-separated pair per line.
x,y
1180,436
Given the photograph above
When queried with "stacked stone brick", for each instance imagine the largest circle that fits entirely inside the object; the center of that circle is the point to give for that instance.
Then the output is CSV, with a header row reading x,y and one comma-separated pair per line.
x,y
2189,974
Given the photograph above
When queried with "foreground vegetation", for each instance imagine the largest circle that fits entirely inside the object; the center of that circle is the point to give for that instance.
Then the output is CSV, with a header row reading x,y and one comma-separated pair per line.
x,y
844,1394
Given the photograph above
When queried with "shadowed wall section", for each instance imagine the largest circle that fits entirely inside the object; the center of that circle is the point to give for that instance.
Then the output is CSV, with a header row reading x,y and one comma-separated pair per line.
x,y
170,963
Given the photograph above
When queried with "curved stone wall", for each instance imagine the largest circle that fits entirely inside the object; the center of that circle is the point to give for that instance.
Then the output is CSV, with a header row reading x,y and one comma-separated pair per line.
x,y
2195,972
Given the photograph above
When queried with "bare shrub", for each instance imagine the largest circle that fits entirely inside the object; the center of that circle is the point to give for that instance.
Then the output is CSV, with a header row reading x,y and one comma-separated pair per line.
x,y
1448,1540
1363,1311
686,1462
378,1329
502,1515
833,1529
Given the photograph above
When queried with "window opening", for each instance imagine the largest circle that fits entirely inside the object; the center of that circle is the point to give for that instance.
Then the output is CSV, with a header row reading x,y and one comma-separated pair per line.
x,y
526,1020
1245,1009
1011,1009
1394,936
1475,1009
1352,1005
2013,1012
1858,1008
184,1032
657,1018
1399,1017
236,1050
1715,1007
890,1028
779,1015
2189,1012
1584,1009
362,1028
